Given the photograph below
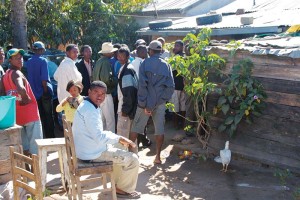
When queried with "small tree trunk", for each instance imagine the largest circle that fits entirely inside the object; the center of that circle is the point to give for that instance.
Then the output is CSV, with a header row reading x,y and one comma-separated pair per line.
x,y
19,23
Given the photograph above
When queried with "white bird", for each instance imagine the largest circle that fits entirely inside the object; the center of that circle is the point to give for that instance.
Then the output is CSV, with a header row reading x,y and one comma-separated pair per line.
x,y
225,155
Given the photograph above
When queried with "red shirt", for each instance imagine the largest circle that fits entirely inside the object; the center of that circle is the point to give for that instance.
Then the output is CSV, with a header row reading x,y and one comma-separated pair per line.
x,y
25,113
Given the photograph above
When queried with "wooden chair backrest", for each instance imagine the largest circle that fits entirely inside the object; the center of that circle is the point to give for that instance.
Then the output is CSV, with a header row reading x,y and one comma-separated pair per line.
x,y
21,175
71,154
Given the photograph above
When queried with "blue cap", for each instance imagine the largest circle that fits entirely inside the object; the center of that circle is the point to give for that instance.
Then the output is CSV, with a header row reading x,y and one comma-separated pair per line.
x,y
38,45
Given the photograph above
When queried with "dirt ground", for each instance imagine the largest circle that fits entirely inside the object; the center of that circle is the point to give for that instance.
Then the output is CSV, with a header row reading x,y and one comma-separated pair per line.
x,y
196,178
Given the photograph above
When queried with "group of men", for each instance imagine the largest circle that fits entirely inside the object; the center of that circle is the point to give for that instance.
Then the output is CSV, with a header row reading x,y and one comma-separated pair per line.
x,y
141,80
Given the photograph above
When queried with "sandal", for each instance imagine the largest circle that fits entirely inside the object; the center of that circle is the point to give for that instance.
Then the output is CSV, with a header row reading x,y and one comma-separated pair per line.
x,y
132,195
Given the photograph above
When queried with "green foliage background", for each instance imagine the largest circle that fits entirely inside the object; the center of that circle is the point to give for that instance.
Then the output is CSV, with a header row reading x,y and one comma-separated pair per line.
x,y
90,22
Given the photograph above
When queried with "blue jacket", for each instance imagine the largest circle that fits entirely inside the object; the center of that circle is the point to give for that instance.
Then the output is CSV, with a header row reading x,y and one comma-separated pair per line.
x,y
89,138
156,83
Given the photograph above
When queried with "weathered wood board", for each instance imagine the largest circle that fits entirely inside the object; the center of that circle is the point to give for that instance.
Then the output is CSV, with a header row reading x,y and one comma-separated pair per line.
x,y
8,137
274,137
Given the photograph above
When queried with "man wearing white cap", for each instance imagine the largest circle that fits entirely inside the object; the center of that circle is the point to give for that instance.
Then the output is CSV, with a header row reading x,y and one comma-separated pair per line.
x,y
103,72
38,77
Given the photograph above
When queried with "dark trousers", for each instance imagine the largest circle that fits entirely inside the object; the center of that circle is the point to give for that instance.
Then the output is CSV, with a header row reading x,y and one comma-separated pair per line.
x,y
46,113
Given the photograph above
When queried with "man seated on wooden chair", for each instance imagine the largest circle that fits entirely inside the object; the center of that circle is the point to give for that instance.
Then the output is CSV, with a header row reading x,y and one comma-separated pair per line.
x,y
92,144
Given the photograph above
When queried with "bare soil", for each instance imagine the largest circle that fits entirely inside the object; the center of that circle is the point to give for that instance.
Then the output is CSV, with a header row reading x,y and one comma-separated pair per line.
x,y
197,178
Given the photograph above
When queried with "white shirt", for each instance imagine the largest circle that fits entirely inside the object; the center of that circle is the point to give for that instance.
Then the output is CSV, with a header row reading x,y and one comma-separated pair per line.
x,y
165,55
65,72
136,65
88,67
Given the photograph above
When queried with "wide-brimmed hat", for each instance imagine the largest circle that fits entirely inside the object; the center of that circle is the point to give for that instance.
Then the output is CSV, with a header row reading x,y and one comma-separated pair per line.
x,y
107,47
14,51
38,45
155,45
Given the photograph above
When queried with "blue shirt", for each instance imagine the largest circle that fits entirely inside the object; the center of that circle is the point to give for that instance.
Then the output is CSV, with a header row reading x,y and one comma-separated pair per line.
x,y
37,72
113,61
89,138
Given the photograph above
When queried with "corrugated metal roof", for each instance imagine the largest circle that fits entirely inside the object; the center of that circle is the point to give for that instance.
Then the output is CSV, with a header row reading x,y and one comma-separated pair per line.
x,y
162,5
249,6
269,13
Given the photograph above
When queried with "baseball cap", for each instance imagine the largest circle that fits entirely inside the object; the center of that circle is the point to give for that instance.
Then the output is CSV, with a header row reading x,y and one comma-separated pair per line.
x,y
139,42
15,51
162,39
38,45
155,45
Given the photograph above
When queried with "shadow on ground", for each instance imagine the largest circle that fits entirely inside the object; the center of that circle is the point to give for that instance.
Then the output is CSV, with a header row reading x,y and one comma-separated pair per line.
x,y
197,178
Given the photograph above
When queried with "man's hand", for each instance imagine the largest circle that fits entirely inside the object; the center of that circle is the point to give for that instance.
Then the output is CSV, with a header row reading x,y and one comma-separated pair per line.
x,y
148,112
126,142
25,100
124,114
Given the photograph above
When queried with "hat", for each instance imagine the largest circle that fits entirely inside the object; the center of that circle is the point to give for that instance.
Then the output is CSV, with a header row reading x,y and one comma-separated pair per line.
x,y
162,39
14,51
155,45
107,47
38,45
139,42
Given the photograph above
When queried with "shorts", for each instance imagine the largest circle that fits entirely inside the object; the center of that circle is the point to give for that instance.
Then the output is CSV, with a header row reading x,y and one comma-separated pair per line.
x,y
140,120
178,99
30,132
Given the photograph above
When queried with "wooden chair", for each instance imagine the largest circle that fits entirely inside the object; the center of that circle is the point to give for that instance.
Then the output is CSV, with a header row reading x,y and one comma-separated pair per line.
x,y
21,175
78,168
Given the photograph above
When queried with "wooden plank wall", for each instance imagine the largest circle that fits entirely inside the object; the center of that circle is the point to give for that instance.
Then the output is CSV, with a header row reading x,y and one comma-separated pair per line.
x,y
274,137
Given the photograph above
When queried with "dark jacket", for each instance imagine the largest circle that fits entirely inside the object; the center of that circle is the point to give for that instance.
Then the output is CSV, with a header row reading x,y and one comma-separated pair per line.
x,y
156,84
128,83
178,80
103,72
86,80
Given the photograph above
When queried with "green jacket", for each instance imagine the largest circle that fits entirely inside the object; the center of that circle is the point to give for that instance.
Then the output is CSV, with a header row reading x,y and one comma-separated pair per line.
x,y
103,72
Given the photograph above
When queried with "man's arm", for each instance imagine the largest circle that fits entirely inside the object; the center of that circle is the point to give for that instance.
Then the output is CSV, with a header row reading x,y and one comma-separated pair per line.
x,y
94,127
17,78
129,94
45,76
143,84
96,71
170,85
107,77
2,90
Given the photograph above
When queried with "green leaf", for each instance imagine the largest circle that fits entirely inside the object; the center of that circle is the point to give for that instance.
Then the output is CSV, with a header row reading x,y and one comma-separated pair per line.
x,y
229,120
221,100
257,114
221,128
238,118
230,98
225,108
